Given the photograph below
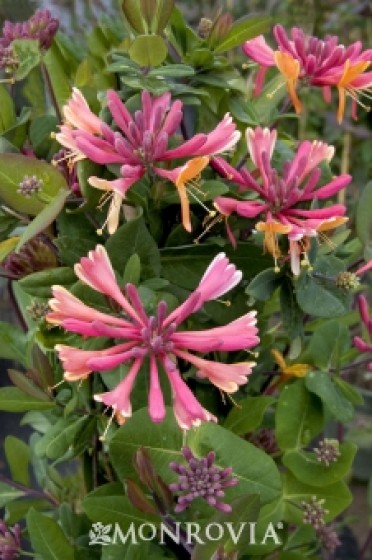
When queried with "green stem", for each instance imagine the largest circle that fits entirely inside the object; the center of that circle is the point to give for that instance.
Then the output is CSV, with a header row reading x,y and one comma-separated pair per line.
x,y
25,553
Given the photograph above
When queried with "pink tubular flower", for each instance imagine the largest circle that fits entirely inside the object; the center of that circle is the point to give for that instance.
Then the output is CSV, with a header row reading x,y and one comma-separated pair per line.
x,y
155,338
281,198
141,143
359,343
316,62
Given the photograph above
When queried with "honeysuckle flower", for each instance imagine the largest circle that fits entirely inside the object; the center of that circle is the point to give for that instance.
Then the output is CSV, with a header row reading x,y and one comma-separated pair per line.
x,y
41,26
77,116
283,200
141,143
362,345
314,62
201,479
136,337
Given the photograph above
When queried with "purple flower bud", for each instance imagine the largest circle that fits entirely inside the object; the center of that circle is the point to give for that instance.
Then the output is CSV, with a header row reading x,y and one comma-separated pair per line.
x,y
10,541
201,480
41,27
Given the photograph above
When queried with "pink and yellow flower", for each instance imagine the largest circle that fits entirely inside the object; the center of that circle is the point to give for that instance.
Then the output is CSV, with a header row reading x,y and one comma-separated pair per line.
x,y
282,200
141,143
314,62
136,337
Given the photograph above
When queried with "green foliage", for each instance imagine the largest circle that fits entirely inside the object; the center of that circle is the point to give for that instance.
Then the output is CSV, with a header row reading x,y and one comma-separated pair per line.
x,y
47,537
248,415
242,30
13,343
364,221
299,416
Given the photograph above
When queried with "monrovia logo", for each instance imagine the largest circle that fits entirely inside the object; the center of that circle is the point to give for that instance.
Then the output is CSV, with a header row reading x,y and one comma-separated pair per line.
x,y
189,533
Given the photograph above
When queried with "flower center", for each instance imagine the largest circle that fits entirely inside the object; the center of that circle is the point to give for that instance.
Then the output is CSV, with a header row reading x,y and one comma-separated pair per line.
x,y
155,338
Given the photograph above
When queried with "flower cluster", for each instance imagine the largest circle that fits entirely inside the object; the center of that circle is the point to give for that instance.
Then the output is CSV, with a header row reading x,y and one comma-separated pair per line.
x,y
314,513
282,199
155,338
41,27
140,145
328,451
201,479
314,62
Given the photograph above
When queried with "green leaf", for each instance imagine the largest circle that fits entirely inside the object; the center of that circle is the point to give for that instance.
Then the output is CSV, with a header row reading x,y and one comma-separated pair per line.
x,y
184,266
58,69
61,437
164,9
148,50
263,285
115,509
39,284
317,299
47,215
39,133
73,227
350,392
25,384
306,467
134,237
47,537
7,111
132,271
247,415
272,94
13,343
337,498
14,400
8,494
132,12
13,169
18,455
28,53
321,384
292,315
245,509
242,30
173,71
363,218
298,418
327,345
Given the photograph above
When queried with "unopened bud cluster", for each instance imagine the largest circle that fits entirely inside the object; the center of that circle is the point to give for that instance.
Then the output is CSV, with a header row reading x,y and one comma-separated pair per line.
x,y
38,310
328,451
201,479
204,27
41,27
347,280
328,538
314,513
8,60
30,185
10,541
